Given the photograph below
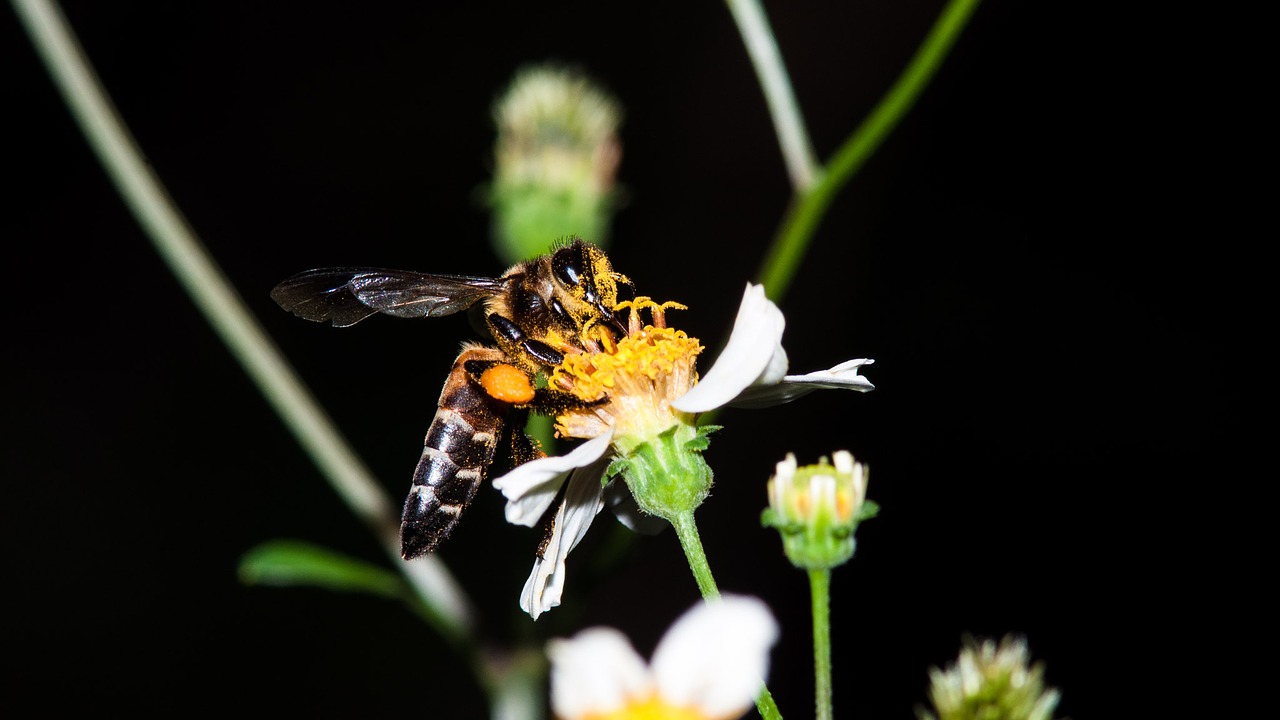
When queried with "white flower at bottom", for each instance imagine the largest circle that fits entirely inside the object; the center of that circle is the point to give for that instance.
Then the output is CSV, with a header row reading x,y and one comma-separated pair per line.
x,y
710,665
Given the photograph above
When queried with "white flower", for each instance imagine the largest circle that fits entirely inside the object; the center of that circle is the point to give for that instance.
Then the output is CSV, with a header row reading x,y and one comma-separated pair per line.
x,y
751,372
710,664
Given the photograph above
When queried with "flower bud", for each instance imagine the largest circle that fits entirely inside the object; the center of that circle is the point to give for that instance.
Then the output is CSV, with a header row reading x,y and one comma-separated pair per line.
x,y
816,509
991,682
556,157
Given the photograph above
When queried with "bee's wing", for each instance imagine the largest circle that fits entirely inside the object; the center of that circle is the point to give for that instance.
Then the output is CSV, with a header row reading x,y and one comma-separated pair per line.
x,y
345,296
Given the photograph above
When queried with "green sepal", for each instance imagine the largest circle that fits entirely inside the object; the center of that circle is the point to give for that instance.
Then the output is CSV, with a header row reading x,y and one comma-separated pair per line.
x,y
774,519
619,466
768,518
701,441
666,477
868,510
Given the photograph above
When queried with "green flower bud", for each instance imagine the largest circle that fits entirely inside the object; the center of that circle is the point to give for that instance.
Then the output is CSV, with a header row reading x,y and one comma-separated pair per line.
x,y
816,509
556,158
991,683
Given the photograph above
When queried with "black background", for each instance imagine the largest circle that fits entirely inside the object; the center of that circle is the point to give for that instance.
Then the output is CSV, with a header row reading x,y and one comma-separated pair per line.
x,y
1029,258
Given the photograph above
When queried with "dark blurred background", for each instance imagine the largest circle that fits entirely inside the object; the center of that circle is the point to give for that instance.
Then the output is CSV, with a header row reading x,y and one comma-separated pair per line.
x,y
1027,259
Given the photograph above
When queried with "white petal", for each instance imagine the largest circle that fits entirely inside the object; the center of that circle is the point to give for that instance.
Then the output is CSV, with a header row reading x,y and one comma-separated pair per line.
x,y
582,500
716,656
822,491
595,672
843,376
786,469
753,354
623,504
531,488
779,486
844,462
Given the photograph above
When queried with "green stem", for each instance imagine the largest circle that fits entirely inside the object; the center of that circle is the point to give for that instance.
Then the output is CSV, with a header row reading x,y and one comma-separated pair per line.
x,y
762,48
691,543
808,208
820,590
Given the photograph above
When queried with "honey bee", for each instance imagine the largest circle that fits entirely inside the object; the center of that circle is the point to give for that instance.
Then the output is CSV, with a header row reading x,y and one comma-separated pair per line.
x,y
537,312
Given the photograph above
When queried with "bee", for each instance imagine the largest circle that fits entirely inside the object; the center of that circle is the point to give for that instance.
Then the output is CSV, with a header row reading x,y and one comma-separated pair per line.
x,y
537,312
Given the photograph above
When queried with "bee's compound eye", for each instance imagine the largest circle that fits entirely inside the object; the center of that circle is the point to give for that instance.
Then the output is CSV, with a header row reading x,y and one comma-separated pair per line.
x,y
567,266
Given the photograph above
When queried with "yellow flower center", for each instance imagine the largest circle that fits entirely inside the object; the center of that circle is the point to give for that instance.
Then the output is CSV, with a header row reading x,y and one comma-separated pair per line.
x,y
650,708
637,360
637,377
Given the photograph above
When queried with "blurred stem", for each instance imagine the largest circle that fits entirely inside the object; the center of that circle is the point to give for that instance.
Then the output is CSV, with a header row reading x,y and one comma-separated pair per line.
x,y
820,592
809,205
691,543
797,150
213,294
521,687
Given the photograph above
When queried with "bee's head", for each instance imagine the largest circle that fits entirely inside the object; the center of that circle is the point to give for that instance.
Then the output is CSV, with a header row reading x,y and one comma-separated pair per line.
x,y
584,274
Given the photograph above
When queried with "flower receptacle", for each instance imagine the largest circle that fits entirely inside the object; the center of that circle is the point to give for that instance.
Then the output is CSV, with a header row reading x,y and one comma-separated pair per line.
x,y
666,472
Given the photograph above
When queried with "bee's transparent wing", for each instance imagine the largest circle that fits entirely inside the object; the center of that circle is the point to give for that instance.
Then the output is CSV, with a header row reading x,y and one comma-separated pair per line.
x,y
345,296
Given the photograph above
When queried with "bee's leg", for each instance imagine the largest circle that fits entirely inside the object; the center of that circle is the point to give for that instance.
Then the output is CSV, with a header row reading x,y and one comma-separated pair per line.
x,y
549,401
509,384
509,331
522,447
501,380
549,524
456,454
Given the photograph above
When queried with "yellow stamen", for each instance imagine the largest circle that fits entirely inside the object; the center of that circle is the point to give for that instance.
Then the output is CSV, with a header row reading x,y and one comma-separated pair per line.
x,y
651,353
656,310
639,375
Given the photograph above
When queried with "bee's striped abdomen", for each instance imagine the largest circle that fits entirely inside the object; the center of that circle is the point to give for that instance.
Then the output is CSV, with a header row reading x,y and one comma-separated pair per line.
x,y
456,454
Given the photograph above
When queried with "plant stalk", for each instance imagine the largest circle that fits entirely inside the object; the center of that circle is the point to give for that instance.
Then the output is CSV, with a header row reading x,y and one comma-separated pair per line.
x,y
820,592
808,208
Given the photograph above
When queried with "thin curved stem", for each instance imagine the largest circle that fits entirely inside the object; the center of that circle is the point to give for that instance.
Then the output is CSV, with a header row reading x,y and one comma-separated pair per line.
x,y
808,209
797,150
214,295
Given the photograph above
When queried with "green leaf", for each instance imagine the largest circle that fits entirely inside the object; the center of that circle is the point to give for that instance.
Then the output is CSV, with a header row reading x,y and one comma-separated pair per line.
x,y
293,562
